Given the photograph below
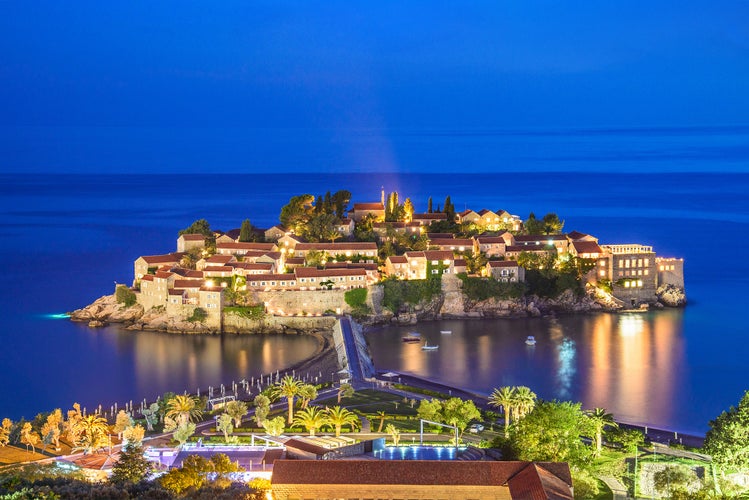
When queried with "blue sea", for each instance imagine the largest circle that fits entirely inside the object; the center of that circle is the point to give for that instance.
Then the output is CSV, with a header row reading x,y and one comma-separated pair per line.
x,y
66,239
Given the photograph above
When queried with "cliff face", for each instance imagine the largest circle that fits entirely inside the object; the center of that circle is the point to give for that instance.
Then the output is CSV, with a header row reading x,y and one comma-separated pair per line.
x,y
671,296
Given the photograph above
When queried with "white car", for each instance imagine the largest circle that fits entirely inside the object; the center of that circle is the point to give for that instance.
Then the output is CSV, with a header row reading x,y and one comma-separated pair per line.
x,y
476,428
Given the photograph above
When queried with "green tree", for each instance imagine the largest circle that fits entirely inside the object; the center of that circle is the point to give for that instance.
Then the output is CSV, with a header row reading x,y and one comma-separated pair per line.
x,y
429,206
237,410
525,401
504,398
245,231
133,435
52,429
125,296
345,391
533,225
727,441
122,422
599,420
449,209
552,224
192,475
184,409
296,213
673,478
381,415
408,210
262,408
551,432
321,227
459,413
316,258
340,201
288,388
337,417
311,418
183,432
307,392
5,432
395,434
92,433
132,466
29,437
274,426
225,424
200,226
430,409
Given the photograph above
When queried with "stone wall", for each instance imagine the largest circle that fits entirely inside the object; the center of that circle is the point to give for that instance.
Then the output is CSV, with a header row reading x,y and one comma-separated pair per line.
x,y
234,323
304,302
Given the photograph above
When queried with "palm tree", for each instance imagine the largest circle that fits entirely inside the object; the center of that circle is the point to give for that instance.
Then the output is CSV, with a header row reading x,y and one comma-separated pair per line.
x,y
92,432
599,419
289,387
307,392
338,417
311,418
504,398
525,401
183,409
381,415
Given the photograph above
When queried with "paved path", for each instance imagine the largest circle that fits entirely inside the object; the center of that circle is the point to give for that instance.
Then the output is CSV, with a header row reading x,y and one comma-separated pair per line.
x,y
616,487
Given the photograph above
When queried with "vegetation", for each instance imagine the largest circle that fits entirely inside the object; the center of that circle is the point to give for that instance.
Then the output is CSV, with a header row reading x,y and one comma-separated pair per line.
x,y
454,411
198,315
246,232
311,418
336,417
125,296
288,388
485,288
256,312
356,298
132,466
399,292
727,441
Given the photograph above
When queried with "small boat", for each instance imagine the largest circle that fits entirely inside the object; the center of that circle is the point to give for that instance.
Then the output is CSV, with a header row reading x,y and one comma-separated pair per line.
x,y
427,347
446,332
530,340
411,337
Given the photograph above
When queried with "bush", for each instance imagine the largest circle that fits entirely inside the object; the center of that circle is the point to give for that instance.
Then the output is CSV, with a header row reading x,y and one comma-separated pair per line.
x,y
198,315
355,298
485,288
125,296
249,312
398,292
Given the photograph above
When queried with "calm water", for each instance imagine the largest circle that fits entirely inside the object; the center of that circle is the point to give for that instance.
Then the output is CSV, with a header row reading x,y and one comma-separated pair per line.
x,y
66,239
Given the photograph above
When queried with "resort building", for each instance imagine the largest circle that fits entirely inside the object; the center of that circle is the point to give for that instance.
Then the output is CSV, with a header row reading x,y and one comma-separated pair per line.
x,y
505,270
420,265
633,272
670,271
187,242
244,248
150,263
493,246
343,249
408,228
420,479
361,210
559,241
275,232
453,245
428,218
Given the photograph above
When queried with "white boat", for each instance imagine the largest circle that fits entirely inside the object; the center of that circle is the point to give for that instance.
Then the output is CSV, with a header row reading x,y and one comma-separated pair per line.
x,y
427,347
530,340
446,332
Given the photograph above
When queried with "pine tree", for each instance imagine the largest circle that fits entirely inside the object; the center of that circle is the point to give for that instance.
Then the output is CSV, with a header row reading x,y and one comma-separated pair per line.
x,y
245,232
132,467
429,205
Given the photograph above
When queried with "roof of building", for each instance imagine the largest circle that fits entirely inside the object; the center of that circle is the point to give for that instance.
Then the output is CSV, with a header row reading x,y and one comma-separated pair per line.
x,y
211,289
465,212
438,255
541,237
174,291
398,259
339,247
158,259
502,263
147,277
368,206
576,235
486,211
193,237
466,242
219,259
247,246
188,283
369,266
430,216
218,269
587,247
527,248
295,261
271,277
489,240
428,472
252,265
460,263
436,236
163,275
313,272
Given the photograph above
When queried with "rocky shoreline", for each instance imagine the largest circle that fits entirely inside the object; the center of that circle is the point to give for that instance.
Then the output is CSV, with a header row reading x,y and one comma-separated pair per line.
x,y
450,304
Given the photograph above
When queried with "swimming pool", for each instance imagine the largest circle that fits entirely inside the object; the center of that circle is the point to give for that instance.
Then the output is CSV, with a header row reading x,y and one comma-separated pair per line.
x,y
416,453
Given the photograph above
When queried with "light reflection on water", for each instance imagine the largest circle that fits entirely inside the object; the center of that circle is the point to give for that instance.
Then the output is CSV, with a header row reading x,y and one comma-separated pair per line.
x,y
630,364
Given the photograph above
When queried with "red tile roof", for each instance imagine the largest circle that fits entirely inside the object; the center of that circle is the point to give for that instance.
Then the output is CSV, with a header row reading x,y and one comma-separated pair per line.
x,y
219,259
435,236
337,247
247,246
368,206
218,269
489,240
503,263
528,248
543,238
399,259
211,289
270,277
428,472
587,247
455,242
313,272
193,237
485,211
158,259
428,216
252,265
188,283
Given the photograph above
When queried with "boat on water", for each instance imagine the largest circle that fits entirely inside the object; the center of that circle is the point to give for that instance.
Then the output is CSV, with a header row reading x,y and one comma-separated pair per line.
x,y
530,340
412,337
427,347
446,332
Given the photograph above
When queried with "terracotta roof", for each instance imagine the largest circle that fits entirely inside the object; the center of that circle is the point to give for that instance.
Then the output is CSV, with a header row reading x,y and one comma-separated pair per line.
x,y
438,255
527,248
394,225
398,259
211,289
173,291
306,446
432,216
147,277
368,206
158,259
272,255
193,237
467,242
576,235
587,247
460,263
339,247
489,240
163,275
252,265
351,265
436,236
219,259
422,472
218,269
503,263
538,483
271,277
313,272
188,283
541,237
465,212
295,261
485,211
234,233
247,246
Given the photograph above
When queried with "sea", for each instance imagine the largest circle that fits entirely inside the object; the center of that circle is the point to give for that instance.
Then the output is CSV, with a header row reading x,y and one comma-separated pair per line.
x,y
67,239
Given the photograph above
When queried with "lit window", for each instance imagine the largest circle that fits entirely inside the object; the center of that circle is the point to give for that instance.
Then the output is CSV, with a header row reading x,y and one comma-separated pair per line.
x,y
639,282
602,263
626,284
603,273
662,268
646,272
647,262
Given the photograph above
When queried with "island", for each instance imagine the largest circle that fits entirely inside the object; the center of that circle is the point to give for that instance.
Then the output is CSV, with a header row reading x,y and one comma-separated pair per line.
x,y
382,262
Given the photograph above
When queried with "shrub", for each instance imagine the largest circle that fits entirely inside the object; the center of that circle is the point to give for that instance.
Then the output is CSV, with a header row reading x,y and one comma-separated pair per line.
x,y
249,312
485,288
397,292
355,298
125,296
198,315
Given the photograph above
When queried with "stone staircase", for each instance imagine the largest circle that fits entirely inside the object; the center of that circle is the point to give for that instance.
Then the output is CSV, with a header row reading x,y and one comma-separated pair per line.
x,y
471,454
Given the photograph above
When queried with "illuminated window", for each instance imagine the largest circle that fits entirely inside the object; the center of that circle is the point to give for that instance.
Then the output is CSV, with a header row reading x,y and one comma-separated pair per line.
x,y
602,263
626,263
602,273
639,282
646,272
639,262
662,268
647,262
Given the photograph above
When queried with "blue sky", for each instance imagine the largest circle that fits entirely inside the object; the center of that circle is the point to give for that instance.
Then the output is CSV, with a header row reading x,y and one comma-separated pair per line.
x,y
340,85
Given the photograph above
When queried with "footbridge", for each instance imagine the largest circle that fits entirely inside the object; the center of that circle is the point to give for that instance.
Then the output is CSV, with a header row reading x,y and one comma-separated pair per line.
x,y
351,348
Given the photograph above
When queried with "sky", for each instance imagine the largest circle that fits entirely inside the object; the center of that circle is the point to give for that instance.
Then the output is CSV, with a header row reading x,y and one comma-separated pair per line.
x,y
187,86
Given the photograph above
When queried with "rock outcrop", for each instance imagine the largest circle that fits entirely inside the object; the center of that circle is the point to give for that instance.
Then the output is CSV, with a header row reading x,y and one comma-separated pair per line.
x,y
107,310
671,296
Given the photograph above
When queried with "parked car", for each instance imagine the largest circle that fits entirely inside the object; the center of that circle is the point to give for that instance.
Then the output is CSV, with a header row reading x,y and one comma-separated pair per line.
x,y
476,428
